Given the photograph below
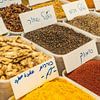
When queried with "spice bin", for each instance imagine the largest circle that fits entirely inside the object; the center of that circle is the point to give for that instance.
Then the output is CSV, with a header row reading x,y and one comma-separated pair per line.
x,y
10,15
65,59
57,7
87,75
88,33
65,86
5,86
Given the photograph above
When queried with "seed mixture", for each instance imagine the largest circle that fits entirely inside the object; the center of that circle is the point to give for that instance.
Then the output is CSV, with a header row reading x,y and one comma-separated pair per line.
x,y
16,56
89,22
88,75
57,4
58,89
10,15
57,39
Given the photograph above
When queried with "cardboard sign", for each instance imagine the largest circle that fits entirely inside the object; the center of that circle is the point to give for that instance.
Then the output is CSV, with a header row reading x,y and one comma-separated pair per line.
x,y
34,2
4,3
97,4
38,18
79,56
75,9
3,28
33,78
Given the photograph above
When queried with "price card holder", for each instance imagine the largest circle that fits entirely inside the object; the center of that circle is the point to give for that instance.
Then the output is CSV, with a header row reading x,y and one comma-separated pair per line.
x,y
79,56
34,2
3,28
4,3
97,4
38,18
75,9
33,78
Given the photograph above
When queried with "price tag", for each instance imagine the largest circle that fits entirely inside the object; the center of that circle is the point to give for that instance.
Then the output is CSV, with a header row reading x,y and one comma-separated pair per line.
x,y
4,3
34,2
79,56
3,28
33,78
75,9
97,4
38,18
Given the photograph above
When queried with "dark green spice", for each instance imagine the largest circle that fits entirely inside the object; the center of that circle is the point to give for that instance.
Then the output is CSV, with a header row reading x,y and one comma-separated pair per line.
x,y
57,39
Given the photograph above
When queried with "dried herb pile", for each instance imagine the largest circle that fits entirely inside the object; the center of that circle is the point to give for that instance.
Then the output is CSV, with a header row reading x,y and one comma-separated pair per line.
x,y
89,22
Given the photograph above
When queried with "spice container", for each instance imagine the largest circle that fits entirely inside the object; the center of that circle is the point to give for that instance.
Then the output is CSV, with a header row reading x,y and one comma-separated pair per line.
x,y
18,56
90,23
61,42
87,75
59,89
10,15
57,7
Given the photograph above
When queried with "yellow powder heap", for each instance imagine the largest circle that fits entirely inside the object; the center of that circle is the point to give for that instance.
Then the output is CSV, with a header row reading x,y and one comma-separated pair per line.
x,y
57,7
58,89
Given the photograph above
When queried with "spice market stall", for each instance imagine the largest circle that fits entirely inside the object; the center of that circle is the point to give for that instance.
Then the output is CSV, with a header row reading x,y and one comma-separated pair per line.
x,y
49,50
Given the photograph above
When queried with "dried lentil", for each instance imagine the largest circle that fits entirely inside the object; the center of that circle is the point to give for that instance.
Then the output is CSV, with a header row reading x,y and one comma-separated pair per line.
x,y
57,39
10,15
89,22
88,75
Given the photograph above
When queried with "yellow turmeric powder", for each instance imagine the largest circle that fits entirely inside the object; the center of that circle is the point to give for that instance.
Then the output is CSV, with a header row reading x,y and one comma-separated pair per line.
x,y
58,89
57,7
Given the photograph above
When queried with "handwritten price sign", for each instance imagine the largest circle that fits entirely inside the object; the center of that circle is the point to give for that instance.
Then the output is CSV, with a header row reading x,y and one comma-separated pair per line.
x,y
34,2
33,78
75,9
38,18
4,3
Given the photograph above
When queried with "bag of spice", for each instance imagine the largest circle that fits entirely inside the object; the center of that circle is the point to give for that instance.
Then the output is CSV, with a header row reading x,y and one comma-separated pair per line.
x,y
10,15
58,89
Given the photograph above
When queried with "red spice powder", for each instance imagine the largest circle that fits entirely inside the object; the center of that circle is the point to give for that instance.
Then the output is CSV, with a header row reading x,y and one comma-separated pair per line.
x,y
88,75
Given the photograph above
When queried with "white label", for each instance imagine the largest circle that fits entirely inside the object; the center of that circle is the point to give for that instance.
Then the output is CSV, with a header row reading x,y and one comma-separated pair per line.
x,y
38,18
3,28
79,56
75,9
33,78
97,4
4,3
34,2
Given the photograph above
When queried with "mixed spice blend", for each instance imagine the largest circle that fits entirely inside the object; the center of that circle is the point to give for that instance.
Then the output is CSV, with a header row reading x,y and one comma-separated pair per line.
x,y
89,23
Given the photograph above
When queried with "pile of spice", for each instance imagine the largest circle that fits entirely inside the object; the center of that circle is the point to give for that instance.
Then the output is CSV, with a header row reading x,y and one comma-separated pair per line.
x,y
10,15
88,75
89,23
16,56
58,89
57,7
57,39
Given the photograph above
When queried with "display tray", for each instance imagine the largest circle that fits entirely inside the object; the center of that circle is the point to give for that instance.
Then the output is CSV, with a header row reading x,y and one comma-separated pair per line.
x,y
64,75
78,86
